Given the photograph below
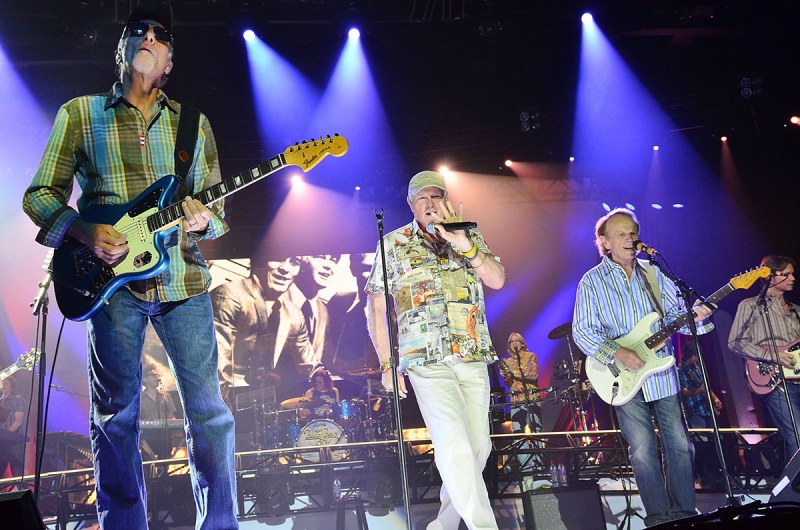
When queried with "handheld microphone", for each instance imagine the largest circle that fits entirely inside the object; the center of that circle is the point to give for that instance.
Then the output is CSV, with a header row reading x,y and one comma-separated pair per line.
x,y
641,247
452,227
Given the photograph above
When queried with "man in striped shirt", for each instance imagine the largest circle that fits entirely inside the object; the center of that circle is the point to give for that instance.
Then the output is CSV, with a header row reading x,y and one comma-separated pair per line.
x,y
612,297
751,338
116,145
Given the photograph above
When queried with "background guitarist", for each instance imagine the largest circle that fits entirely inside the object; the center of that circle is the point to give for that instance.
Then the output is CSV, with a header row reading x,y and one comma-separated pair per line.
x,y
612,297
750,338
698,416
12,429
115,145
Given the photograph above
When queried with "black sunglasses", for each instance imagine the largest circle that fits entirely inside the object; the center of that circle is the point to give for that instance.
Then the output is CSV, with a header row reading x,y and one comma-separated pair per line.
x,y
140,29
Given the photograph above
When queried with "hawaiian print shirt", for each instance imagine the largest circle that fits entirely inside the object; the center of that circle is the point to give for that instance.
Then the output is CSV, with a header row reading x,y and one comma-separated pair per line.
x,y
438,298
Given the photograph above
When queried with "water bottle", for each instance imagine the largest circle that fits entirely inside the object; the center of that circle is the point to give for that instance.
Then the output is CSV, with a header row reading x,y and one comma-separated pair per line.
x,y
337,490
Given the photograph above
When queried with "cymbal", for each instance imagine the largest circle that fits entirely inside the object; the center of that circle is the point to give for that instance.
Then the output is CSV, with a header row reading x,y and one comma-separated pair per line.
x,y
560,332
365,372
300,402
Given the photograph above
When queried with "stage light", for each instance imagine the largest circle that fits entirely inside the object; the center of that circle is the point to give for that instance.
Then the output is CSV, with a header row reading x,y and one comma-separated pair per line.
x,y
572,159
587,18
353,34
296,180
249,35
723,138
630,207
444,170
606,207
656,148
358,188
677,205
656,206
795,120
508,163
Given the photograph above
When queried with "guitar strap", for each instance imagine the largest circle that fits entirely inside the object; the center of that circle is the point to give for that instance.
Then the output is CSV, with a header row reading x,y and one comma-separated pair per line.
x,y
653,290
185,143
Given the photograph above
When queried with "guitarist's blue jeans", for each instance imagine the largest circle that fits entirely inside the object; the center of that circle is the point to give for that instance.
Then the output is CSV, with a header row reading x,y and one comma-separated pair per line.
x,y
779,412
663,500
116,339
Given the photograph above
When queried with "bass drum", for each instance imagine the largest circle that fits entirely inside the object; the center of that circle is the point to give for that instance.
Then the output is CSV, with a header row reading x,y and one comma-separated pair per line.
x,y
319,433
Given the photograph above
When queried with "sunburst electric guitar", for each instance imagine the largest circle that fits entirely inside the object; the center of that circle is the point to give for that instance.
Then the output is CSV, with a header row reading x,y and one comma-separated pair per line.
x,y
83,283
763,376
616,384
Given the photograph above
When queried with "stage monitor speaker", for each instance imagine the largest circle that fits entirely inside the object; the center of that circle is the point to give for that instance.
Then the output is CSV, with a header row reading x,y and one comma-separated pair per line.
x,y
18,511
575,507
788,486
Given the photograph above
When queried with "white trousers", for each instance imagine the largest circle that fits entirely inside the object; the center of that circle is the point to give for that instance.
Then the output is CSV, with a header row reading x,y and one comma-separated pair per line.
x,y
453,397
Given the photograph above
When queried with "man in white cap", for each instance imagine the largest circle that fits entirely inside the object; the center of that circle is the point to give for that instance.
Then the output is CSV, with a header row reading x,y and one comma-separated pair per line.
x,y
116,145
436,278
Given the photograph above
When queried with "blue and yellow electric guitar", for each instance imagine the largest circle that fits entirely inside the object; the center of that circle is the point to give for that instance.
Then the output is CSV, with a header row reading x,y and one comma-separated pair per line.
x,y
83,283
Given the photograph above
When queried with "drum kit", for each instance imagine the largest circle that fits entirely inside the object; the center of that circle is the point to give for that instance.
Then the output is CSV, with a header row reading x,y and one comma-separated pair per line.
x,y
301,422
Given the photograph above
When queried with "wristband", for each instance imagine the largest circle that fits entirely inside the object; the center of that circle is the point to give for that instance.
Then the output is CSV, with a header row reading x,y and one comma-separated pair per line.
x,y
385,367
471,253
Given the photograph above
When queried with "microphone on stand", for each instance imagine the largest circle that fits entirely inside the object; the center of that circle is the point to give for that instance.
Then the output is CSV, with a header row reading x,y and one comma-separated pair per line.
x,y
641,247
452,227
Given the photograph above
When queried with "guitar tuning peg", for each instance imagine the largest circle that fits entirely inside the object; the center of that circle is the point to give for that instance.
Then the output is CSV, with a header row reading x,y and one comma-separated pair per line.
x,y
328,135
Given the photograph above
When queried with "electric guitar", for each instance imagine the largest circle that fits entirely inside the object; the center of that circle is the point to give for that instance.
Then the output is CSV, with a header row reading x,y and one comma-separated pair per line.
x,y
615,384
83,282
763,376
25,362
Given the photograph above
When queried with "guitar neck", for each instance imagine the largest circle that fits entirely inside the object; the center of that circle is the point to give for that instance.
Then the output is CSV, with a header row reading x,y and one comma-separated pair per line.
x,y
8,372
666,332
174,213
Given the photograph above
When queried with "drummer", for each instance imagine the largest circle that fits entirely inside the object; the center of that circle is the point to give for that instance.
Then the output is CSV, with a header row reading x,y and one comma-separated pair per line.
x,y
322,398
520,370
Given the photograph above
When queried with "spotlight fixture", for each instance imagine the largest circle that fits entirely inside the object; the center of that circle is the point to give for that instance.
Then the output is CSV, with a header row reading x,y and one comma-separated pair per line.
x,y
723,139
529,120
677,205
508,163
353,34
572,159
587,18
750,87
249,35
606,207
656,148
795,120
629,206
656,206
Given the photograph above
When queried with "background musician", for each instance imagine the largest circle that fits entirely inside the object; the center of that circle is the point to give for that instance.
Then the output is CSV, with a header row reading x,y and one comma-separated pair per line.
x,y
323,396
157,407
12,423
698,415
520,370
751,339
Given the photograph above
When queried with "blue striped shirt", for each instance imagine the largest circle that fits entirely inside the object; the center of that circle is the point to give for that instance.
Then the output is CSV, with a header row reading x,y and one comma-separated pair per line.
x,y
608,305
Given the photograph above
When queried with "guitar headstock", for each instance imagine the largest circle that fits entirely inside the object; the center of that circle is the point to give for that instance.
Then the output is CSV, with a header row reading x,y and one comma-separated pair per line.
x,y
308,154
28,359
746,279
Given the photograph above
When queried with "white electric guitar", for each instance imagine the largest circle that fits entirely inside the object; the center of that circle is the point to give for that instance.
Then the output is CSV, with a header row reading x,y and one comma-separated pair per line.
x,y
615,384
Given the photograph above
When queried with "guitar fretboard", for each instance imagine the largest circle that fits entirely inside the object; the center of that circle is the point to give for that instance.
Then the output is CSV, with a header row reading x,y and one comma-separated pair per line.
x,y
174,212
667,331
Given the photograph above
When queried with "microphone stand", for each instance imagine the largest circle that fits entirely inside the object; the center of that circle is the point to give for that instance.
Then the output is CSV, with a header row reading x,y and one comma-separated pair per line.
x,y
763,307
686,293
39,308
393,363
